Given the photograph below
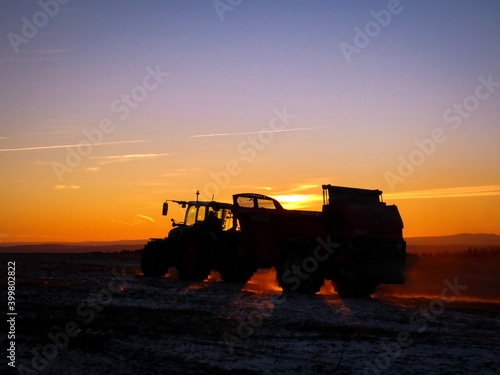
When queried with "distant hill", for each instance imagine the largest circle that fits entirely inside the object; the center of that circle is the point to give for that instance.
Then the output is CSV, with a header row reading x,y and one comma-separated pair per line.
x,y
453,243
416,245
465,239
74,247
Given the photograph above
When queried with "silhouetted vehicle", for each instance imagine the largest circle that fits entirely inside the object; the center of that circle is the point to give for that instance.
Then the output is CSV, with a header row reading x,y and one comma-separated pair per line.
x,y
356,241
207,239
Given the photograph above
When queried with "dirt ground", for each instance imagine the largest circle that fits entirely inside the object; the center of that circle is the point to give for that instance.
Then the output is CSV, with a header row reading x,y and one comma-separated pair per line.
x,y
96,314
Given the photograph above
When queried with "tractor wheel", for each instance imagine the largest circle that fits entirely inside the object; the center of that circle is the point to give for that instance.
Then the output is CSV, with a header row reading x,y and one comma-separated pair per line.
x,y
193,256
154,258
297,269
235,265
354,288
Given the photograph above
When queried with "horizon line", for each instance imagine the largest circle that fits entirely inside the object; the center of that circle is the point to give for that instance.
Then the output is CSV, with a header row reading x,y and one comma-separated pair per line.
x,y
69,243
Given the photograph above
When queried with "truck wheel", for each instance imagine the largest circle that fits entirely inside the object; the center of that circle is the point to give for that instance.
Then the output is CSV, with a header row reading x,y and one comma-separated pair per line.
x,y
154,258
297,270
193,258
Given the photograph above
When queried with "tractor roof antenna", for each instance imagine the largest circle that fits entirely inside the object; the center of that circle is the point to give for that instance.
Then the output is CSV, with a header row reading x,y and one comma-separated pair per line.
x,y
212,197
197,193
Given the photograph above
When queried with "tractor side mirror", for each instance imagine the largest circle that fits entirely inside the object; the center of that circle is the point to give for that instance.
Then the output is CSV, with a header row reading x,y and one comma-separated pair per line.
x,y
165,209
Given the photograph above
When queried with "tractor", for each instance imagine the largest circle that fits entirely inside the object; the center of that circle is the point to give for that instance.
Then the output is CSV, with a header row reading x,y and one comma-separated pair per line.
x,y
209,238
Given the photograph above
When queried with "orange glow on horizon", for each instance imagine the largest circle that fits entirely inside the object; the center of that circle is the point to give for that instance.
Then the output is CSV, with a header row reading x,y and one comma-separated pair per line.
x,y
112,212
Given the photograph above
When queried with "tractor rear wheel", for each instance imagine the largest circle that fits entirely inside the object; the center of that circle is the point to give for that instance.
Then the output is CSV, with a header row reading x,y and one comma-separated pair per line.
x,y
235,265
194,257
154,258
297,269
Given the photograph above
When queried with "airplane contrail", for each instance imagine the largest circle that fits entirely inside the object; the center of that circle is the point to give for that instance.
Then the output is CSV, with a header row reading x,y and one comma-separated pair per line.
x,y
256,132
127,157
66,146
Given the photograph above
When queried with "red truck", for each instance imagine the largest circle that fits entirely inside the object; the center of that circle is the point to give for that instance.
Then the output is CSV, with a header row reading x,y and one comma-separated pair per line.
x,y
356,241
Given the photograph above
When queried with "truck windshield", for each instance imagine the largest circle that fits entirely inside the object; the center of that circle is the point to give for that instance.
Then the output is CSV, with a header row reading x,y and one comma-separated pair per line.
x,y
256,202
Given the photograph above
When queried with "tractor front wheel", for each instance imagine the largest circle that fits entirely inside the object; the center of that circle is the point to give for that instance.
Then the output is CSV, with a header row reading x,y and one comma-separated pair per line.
x,y
154,258
193,257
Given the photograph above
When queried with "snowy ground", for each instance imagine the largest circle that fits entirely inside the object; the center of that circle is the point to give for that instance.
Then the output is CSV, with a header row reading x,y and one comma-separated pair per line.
x,y
95,314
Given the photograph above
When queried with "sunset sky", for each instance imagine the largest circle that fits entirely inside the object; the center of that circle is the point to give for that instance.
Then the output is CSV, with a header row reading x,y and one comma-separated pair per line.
x,y
107,108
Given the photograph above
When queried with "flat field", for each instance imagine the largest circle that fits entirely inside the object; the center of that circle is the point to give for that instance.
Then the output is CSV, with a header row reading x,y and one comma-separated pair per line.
x,y
96,314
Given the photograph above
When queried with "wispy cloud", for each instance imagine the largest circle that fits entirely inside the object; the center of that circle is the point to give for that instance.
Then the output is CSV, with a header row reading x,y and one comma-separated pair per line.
x,y
67,146
49,54
42,162
104,160
147,218
121,222
135,222
66,187
305,187
150,184
3,138
189,169
456,192
257,132
181,172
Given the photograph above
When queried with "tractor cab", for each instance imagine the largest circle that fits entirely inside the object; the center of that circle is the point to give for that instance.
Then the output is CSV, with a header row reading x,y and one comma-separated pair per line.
x,y
209,213
214,214
208,238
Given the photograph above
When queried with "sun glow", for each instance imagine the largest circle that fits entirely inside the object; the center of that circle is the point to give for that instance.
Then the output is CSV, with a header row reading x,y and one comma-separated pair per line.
x,y
298,201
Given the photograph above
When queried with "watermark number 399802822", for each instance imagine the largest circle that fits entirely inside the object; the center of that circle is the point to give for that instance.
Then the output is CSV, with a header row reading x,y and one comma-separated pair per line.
x,y
11,313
